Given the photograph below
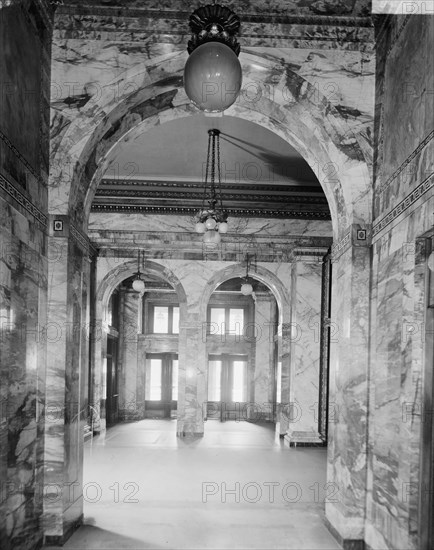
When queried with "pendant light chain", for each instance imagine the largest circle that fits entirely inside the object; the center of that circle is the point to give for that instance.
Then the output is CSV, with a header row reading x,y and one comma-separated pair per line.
x,y
211,220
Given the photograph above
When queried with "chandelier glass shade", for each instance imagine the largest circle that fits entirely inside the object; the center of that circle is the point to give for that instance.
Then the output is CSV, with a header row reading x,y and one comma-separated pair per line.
x,y
212,74
212,77
211,220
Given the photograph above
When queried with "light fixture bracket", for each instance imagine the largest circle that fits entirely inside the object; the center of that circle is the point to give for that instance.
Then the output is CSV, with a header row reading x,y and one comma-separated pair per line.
x,y
214,23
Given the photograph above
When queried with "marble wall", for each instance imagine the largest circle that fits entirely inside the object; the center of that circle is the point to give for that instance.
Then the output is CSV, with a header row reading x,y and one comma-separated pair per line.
x,y
24,85
404,206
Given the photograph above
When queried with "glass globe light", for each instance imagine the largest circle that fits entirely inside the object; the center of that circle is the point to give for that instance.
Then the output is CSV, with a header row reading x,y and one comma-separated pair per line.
x,y
246,289
431,261
211,237
138,285
200,227
212,77
210,223
223,227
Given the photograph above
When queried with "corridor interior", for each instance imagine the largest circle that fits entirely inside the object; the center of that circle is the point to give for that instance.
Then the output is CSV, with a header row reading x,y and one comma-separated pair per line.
x,y
237,487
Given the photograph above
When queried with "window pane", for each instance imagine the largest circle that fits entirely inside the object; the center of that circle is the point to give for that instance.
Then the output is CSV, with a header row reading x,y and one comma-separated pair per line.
x,y
155,382
279,381
238,381
214,377
175,380
175,324
217,320
236,321
161,319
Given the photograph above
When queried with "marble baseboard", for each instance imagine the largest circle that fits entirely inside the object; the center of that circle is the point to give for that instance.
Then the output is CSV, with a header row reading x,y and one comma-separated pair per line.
x,y
60,540
303,439
190,434
347,544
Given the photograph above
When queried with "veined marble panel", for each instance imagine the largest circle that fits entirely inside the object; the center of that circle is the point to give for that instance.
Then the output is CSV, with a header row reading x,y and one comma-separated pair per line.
x,y
305,350
23,289
268,228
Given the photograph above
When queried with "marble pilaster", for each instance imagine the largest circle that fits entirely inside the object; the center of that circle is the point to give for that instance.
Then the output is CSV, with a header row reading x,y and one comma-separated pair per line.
x,y
131,403
348,397
305,349
67,336
264,374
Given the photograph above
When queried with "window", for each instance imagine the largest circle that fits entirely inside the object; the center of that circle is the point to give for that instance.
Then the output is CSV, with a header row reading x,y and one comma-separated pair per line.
x,y
164,319
161,377
278,381
214,380
175,379
226,320
227,378
238,368
113,310
155,379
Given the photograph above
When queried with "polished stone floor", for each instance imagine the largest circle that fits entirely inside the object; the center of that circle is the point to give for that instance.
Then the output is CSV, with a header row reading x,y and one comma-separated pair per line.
x,y
237,487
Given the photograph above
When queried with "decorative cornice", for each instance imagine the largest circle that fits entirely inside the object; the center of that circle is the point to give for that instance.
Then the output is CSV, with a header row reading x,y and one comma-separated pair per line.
x,y
23,201
300,198
235,212
269,17
173,185
404,205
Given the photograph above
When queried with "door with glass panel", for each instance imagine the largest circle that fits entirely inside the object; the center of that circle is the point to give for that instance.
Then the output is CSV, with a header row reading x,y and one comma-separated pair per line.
x,y
227,386
161,384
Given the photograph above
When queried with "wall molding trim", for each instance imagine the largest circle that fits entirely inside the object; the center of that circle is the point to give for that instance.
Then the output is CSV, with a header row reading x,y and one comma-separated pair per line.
x,y
404,205
82,240
23,201
407,161
20,157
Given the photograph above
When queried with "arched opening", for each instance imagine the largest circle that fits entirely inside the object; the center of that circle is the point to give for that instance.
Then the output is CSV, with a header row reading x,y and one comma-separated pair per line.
x,y
243,381
326,143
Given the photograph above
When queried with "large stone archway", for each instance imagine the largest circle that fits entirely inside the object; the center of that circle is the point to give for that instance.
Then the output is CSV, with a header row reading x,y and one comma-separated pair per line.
x,y
298,113
282,297
333,147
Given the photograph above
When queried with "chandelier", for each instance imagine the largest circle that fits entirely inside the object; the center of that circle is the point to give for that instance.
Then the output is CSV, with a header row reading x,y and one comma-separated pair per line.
x,y
246,287
212,218
212,74
139,283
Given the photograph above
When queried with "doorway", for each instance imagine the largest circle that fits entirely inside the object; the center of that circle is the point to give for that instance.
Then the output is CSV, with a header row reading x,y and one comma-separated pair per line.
x,y
161,390
227,387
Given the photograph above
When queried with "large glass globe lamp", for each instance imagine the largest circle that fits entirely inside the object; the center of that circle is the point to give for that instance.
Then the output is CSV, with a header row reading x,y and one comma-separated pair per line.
x,y
212,77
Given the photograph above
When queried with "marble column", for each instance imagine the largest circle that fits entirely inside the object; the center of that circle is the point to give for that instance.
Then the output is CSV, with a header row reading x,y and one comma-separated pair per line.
x,y
348,390
192,374
305,347
285,411
264,375
66,335
130,403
